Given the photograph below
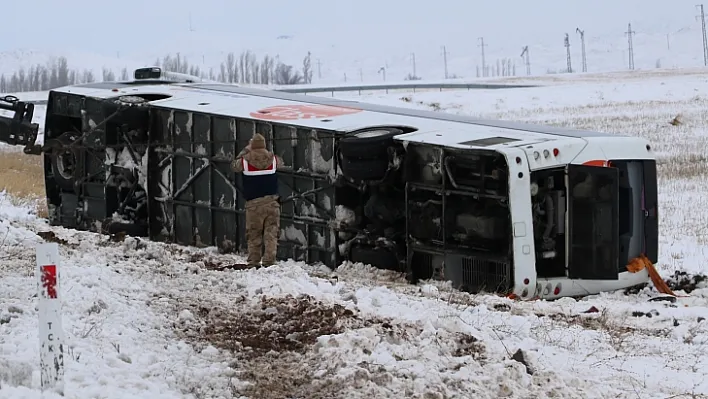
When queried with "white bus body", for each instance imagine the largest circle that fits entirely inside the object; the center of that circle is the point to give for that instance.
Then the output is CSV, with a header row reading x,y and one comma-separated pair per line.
x,y
528,210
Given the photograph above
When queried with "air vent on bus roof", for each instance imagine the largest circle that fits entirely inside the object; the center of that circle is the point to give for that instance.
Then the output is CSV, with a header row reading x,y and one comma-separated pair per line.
x,y
157,73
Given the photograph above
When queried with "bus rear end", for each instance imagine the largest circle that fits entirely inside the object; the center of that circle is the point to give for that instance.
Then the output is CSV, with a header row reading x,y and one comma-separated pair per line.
x,y
594,212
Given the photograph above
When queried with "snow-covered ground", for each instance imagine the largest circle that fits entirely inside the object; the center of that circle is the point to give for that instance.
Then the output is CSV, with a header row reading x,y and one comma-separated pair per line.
x,y
148,320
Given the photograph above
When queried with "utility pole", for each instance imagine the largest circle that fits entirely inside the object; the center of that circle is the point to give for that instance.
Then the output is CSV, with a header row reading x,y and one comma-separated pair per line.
x,y
705,41
484,63
444,51
361,74
629,34
567,50
345,77
415,75
582,44
319,69
525,52
383,69
668,44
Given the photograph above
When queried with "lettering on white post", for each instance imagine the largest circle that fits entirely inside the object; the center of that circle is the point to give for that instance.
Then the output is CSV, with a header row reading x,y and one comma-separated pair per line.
x,y
51,334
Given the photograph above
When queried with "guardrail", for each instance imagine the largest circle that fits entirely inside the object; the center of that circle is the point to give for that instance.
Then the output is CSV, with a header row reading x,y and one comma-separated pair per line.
x,y
400,86
375,87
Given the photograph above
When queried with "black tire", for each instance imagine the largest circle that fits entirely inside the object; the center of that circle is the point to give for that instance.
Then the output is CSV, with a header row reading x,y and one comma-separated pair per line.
x,y
64,161
367,144
381,258
365,169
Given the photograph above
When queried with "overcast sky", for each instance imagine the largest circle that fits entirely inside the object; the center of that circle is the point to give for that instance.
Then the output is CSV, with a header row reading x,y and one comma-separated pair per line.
x,y
139,26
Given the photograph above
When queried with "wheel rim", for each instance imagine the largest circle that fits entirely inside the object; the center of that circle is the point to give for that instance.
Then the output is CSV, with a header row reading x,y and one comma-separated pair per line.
x,y
66,164
131,99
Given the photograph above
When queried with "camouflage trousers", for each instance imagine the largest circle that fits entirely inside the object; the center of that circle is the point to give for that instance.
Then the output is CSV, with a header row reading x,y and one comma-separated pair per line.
x,y
262,230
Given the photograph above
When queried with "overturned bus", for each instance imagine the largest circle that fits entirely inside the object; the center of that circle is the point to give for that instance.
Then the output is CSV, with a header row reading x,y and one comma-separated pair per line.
x,y
495,206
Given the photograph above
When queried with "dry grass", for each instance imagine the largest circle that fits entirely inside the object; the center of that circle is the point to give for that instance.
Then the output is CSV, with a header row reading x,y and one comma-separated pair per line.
x,y
680,148
22,176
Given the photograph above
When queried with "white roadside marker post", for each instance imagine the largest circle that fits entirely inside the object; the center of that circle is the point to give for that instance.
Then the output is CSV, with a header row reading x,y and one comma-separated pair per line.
x,y
51,334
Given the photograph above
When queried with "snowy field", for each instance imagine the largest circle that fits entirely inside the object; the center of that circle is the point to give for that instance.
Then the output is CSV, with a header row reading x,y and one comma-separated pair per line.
x,y
147,320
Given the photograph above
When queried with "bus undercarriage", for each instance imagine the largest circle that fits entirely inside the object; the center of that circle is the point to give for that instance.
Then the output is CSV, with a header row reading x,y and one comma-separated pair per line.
x,y
123,164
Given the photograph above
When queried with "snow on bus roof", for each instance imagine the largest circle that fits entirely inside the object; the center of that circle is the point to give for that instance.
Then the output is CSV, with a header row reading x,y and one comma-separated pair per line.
x,y
326,113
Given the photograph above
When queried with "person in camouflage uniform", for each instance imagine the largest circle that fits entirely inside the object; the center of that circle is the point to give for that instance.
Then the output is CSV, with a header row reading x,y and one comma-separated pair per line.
x,y
260,190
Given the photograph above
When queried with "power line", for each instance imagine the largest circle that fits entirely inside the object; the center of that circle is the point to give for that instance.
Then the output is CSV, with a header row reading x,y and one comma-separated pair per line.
x,y
582,44
484,63
629,34
567,50
703,28
525,52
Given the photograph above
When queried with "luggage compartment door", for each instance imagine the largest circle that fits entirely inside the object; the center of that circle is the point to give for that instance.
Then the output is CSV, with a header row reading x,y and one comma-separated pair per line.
x,y
593,222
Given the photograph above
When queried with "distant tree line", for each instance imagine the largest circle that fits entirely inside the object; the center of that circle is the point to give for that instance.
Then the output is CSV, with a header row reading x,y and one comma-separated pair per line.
x,y
45,77
504,67
244,69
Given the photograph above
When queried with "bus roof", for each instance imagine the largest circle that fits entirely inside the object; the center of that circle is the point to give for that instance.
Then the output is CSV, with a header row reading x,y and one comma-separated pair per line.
x,y
332,114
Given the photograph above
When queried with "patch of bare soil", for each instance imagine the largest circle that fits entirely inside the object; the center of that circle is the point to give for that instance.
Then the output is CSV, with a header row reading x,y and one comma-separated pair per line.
x,y
270,343
216,262
275,348
278,324
681,280
50,236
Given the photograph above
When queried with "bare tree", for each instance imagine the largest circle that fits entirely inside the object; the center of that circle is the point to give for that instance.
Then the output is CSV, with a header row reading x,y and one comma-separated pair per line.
x,y
108,75
307,68
265,70
231,70
286,75
242,63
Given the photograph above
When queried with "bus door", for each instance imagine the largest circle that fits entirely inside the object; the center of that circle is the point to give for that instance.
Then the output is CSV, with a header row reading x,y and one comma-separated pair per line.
x,y
593,222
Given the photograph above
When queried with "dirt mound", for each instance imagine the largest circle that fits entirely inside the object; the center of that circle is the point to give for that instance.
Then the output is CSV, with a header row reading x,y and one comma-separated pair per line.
x,y
275,348
271,342
276,324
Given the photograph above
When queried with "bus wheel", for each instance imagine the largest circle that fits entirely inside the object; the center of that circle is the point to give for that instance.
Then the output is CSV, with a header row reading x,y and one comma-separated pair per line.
x,y
64,160
368,144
